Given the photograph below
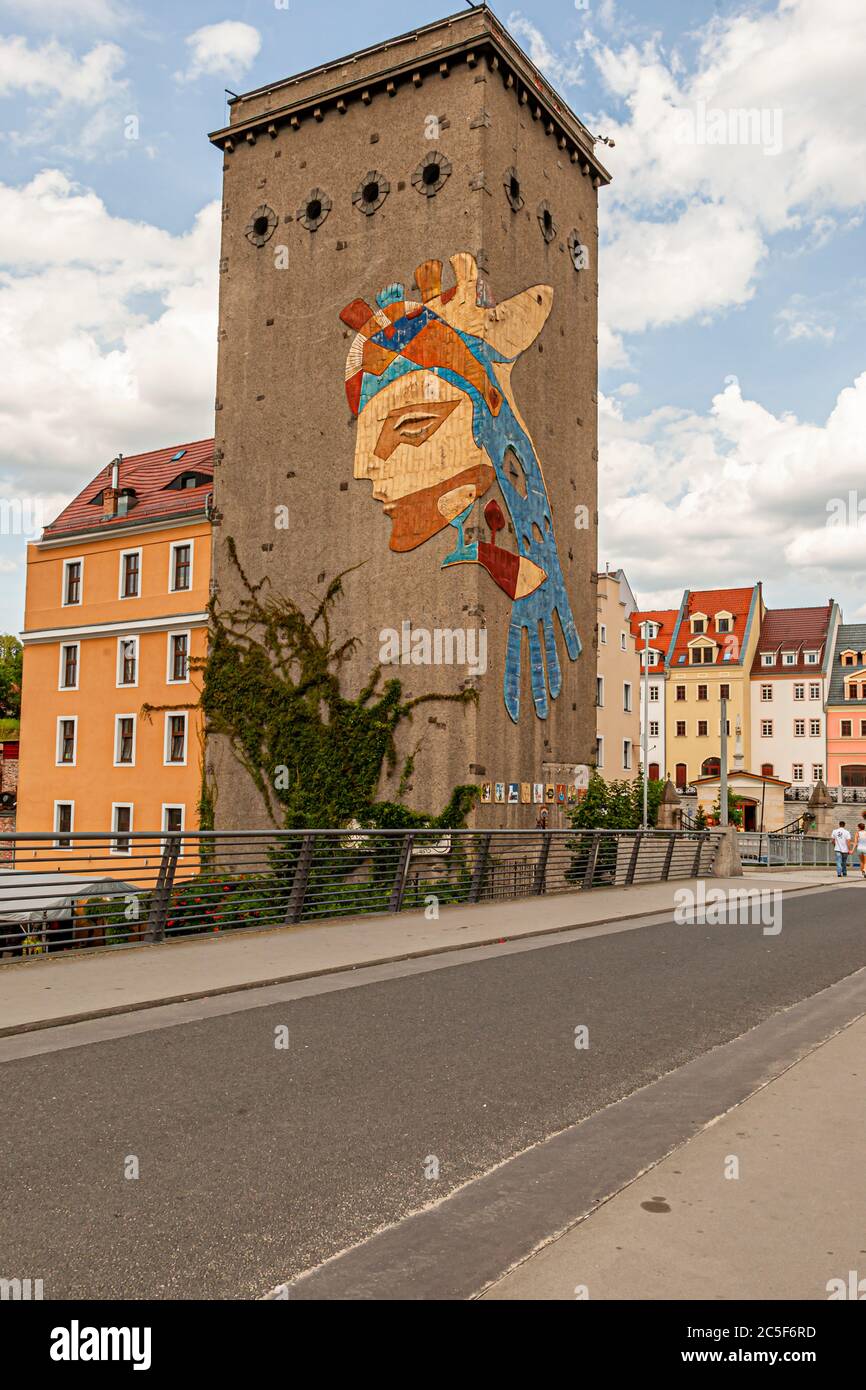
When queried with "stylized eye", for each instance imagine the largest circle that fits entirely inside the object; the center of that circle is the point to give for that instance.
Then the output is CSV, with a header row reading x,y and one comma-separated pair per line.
x,y
412,424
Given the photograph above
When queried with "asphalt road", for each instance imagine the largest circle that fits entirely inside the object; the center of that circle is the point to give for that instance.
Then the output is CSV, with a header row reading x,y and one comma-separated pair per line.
x,y
256,1162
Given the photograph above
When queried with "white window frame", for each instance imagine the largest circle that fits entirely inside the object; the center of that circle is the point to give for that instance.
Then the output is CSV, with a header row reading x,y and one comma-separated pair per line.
x,y
799,732
115,807
766,694
766,728
627,702
64,849
174,806
654,694
789,658
799,690
170,636
798,772
602,633
653,728
768,658
176,545
61,720
74,560
622,642
63,647
136,550
815,690
599,691
120,684
117,762
811,658
814,728
599,750
817,772
169,715
626,755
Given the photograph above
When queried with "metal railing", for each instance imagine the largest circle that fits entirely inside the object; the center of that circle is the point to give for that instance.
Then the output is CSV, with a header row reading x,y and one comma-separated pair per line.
x,y
784,851
80,890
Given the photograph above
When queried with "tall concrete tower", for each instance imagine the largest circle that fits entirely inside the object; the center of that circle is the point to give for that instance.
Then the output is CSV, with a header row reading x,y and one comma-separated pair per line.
x,y
407,390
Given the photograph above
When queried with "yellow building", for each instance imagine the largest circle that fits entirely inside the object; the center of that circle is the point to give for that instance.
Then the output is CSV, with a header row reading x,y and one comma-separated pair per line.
x,y
617,692
116,610
710,658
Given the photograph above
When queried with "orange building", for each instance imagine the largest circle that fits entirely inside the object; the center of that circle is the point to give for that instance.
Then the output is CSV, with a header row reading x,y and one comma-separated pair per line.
x,y
116,609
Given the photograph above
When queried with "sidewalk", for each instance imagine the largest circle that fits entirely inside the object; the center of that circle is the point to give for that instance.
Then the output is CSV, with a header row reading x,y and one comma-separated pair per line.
x,y
792,1221
63,989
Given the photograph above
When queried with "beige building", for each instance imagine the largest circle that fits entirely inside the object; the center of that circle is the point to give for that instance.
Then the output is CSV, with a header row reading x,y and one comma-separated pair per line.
x,y
617,681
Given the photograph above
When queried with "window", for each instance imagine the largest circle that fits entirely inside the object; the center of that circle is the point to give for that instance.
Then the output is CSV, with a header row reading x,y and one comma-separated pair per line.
x,y
817,772
626,754
766,769
799,728
599,752
766,728
814,690
178,657
121,825
66,742
703,692
626,696
768,658
173,820
181,566
723,625
124,740
789,658
681,692
702,656
811,658
845,728
599,691
602,633
681,728
697,625
127,661
863,728
69,666
654,693
680,776
797,772
622,641
64,815
728,727
73,574
130,573
703,727
724,692
814,728
175,739
799,690
766,693
654,728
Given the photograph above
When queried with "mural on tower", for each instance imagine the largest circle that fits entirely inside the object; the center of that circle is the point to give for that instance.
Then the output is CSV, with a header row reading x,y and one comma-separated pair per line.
x,y
430,384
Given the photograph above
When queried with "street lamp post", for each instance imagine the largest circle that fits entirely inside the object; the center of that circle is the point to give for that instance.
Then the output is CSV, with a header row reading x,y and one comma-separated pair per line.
x,y
723,769
645,821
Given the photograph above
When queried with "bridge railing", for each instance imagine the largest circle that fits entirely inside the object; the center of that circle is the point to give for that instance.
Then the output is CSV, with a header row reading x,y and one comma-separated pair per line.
x,y
780,850
82,890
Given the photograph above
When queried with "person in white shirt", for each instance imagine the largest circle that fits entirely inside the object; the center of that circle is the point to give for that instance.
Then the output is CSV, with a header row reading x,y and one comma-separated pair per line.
x,y
860,847
842,845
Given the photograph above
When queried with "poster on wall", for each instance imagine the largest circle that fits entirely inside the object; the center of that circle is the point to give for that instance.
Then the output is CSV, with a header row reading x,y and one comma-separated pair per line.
x,y
513,793
525,793
486,793
538,793
560,793
500,791
550,793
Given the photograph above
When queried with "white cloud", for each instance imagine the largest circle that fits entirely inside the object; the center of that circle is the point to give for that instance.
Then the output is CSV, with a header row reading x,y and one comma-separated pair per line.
x,y
68,14
561,71
79,103
88,369
227,49
798,323
719,484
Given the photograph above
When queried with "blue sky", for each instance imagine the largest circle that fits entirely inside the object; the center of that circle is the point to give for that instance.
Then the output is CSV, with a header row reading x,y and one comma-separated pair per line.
x,y
733,379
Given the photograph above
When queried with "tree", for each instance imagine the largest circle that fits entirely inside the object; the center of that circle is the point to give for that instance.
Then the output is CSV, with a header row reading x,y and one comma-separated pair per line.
x,y
735,809
11,660
616,805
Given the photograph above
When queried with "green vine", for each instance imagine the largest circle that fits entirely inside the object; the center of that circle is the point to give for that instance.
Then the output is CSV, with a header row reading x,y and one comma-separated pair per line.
x,y
272,687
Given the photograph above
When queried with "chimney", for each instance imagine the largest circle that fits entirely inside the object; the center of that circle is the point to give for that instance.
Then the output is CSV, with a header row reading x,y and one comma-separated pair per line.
x,y
110,495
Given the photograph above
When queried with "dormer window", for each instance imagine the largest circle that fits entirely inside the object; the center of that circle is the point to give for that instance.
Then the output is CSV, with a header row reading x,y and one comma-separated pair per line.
x,y
724,621
697,624
789,658
848,658
811,658
184,482
702,654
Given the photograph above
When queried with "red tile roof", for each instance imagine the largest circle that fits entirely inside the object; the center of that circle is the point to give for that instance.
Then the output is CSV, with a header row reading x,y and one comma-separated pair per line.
x,y
148,474
737,602
792,630
665,617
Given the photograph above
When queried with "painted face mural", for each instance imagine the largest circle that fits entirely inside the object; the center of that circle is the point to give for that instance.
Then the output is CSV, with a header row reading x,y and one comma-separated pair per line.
x,y
438,427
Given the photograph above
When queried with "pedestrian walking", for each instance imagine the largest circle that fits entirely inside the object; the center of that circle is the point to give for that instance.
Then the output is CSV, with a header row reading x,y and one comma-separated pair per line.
x,y
842,845
860,847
